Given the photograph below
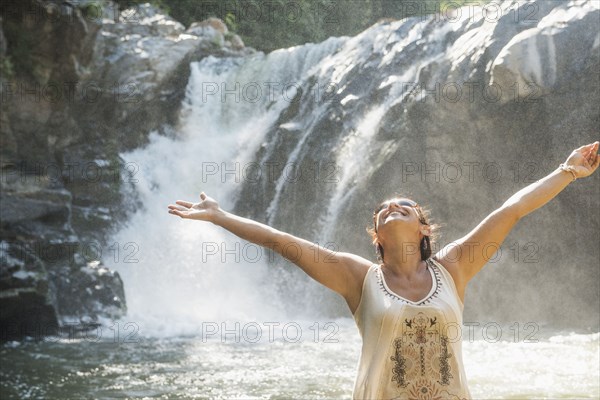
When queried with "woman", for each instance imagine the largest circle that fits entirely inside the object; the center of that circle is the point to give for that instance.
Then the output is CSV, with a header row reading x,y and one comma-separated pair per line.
x,y
409,307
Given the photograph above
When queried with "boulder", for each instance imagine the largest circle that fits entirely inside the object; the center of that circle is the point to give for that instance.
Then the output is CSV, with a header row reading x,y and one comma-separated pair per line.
x,y
27,306
544,58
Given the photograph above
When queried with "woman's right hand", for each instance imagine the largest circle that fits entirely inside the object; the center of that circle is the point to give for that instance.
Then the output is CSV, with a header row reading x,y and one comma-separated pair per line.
x,y
205,210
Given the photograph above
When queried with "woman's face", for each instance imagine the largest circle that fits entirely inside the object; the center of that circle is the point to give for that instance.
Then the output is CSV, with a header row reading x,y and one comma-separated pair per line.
x,y
397,212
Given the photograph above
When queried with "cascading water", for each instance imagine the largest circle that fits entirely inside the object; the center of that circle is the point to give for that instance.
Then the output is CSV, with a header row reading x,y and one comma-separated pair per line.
x,y
189,272
239,113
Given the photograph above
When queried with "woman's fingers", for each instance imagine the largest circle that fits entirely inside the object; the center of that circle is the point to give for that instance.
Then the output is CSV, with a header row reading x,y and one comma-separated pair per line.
x,y
178,213
586,147
590,154
189,204
594,156
594,164
187,209
582,148
590,158
178,208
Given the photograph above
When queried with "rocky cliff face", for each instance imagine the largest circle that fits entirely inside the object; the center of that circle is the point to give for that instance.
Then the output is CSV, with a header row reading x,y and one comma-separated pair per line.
x,y
81,81
459,112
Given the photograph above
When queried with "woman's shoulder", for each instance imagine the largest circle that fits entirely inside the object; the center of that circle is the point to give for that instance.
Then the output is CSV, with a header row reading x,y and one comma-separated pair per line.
x,y
448,265
453,270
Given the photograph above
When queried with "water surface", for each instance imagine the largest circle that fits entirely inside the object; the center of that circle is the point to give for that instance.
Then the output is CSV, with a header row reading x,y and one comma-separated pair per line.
x,y
291,359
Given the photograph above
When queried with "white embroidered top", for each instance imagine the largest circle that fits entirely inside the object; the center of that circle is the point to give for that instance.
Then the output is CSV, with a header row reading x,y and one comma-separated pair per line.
x,y
410,350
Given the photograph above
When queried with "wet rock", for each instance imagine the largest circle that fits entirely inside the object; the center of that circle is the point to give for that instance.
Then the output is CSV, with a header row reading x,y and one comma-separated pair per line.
x,y
26,303
544,57
215,24
96,81
418,98
236,42
99,292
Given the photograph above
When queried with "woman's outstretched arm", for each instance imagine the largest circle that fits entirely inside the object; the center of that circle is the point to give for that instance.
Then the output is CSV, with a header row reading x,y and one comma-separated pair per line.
x,y
341,272
465,257
584,161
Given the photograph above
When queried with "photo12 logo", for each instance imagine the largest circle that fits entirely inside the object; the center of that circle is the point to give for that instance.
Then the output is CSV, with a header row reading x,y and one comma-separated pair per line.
x,y
87,172
272,172
265,92
471,91
254,332
70,92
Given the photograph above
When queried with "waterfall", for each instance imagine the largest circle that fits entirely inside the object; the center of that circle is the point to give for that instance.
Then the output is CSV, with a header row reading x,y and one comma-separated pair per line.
x,y
414,92
180,273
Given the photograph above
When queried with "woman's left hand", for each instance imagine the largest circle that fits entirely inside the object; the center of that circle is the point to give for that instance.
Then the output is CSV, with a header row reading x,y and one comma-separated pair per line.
x,y
585,160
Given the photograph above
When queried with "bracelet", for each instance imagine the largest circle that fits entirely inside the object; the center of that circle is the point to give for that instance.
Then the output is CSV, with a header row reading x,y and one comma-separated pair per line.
x,y
569,168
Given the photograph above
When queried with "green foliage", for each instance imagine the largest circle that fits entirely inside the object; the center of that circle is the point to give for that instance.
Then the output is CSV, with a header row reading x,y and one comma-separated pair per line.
x,y
272,24
88,9
215,43
229,20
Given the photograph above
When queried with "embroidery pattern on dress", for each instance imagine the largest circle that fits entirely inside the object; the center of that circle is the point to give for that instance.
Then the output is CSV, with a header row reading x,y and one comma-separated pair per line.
x,y
437,283
420,357
444,366
399,369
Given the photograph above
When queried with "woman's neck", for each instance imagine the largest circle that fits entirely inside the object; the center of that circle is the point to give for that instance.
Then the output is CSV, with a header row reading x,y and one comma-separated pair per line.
x,y
403,260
